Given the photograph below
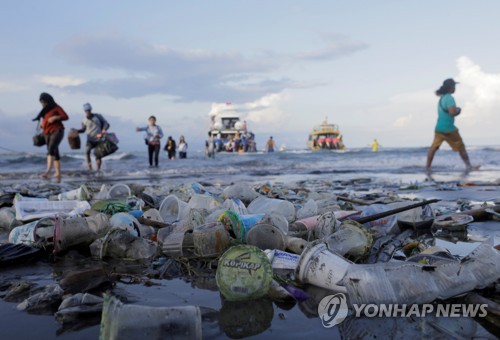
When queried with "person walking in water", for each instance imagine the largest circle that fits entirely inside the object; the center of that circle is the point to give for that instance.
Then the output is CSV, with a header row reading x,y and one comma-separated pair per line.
x,y
170,148
270,145
182,148
375,145
52,116
153,135
445,130
95,125
210,146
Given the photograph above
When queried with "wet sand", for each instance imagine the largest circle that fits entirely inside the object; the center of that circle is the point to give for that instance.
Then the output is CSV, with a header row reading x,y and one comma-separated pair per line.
x,y
271,319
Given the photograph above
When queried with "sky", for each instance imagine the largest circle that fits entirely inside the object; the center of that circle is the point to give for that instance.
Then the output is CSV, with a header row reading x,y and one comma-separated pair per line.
x,y
371,67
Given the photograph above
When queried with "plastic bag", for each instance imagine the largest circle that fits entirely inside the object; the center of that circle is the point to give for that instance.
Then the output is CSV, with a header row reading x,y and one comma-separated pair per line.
x,y
105,148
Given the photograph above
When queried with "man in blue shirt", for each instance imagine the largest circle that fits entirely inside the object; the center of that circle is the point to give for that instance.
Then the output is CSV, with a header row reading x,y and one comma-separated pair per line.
x,y
445,130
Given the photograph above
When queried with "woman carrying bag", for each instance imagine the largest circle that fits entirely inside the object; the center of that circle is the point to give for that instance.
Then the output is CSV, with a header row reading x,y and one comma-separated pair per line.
x,y
52,116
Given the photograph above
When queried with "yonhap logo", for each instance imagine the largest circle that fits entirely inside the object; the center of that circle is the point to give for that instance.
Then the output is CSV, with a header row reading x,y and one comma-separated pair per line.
x,y
333,309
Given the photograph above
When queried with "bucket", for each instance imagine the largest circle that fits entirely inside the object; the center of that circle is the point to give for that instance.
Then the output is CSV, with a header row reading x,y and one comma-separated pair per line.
x,y
120,321
266,236
244,273
211,240
172,209
80,194
125,221
37,232
119,190
321,267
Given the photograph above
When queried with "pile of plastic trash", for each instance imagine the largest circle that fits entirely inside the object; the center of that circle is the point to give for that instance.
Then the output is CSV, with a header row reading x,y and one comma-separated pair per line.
x,y
258,241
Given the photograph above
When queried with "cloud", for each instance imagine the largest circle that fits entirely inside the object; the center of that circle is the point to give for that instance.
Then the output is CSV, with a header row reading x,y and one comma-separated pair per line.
x,y
11,87
262,111
60,81
336,46
402,122
186,75
479,91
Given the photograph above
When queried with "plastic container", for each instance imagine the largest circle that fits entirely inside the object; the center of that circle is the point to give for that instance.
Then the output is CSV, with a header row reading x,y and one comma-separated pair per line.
x,y
309,209
235,205
327,225
8,218
352,240
277,220
80,194
119,190
38,233
210,240
206,202
233,224
153,215
454,222
74,231
271,205
119,243
125,221
120,321
172,209
244,273
321,267
28,210
266,236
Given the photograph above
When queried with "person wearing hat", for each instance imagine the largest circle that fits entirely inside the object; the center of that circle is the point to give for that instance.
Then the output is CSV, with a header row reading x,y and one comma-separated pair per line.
x,y
52,116
445,130
95,125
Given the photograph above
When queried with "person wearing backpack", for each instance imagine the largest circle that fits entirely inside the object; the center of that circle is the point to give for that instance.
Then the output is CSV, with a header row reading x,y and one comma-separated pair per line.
x,y
95,125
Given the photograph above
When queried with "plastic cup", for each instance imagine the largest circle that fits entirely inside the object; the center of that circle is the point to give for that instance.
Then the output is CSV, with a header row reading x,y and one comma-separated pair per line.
x,y
210,240
119,190
172,209
120,321
266,236
321,267
79,194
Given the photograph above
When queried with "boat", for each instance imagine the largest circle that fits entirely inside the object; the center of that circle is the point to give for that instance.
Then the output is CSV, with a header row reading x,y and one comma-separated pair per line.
x,y
325,136
229,133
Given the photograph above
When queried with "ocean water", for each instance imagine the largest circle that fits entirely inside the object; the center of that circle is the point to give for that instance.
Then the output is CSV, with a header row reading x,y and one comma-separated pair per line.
x,y
388,164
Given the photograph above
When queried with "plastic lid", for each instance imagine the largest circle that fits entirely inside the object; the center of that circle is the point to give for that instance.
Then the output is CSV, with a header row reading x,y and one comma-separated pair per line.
x,y
244,273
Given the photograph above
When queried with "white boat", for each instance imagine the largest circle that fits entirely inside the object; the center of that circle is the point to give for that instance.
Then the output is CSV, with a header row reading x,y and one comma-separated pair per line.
x,y
229,132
